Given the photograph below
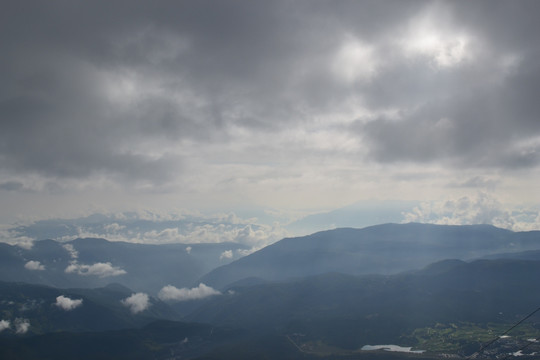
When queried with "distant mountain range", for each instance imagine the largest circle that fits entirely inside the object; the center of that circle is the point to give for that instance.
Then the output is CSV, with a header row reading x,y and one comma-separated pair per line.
x,y
356,215
447,289
381,249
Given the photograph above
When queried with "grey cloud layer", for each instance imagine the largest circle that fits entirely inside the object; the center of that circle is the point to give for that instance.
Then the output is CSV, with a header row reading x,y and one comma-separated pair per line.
x,y
118,88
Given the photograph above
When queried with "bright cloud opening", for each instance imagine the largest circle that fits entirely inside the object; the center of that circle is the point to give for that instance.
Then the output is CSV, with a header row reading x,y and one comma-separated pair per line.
x,y
431,36
354,61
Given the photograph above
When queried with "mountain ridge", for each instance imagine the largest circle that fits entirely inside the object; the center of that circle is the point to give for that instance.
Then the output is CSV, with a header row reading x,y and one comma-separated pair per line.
x,y
386,248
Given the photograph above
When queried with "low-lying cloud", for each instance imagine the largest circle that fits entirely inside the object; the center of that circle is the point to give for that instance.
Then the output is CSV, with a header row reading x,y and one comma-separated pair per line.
x,y
22,325
100,269
67,304
137,302
13,236
227,254
74,254
172,293
34,265
4,324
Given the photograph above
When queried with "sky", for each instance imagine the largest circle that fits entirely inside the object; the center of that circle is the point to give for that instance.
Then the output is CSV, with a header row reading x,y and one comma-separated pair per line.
x,y
283,108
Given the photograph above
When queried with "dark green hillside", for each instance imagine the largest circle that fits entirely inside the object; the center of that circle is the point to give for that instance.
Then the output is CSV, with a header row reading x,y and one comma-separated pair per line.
x,y
101,309
159,340
350,311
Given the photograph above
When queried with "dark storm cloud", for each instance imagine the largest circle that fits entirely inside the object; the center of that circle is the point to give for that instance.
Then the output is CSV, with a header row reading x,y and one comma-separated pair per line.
x,y
106,87
476,124
11,186
476,114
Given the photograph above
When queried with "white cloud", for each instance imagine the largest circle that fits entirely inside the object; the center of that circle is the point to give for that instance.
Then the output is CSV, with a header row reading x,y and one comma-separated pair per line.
x,y
4,324
22,325
249,234
227,254
172,293
245,252
137,302
67,304
74,254
34,265
98,269
188,249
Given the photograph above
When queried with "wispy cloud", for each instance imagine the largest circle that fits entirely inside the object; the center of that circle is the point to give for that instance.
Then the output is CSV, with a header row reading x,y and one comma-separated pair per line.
x,y
12,236
4,325
172,293
21,325
34,265
227,254
74,254
137,302
68,304
159,228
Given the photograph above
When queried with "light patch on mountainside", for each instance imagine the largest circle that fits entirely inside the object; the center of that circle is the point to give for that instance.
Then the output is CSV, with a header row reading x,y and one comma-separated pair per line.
x,y
98,269
227,254
34,265
21,325
4,325
188,249
172,293
137,302
479,209
67,304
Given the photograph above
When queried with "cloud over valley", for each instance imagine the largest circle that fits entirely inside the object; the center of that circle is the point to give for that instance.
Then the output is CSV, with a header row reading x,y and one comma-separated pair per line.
x,y
172,293
67,304
137,302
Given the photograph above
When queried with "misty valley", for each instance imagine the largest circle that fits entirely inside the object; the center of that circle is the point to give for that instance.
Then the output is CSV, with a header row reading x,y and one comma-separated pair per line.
x,y
393,291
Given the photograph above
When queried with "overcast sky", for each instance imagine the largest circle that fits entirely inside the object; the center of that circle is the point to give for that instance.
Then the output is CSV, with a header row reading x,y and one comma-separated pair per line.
x,y
292,106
